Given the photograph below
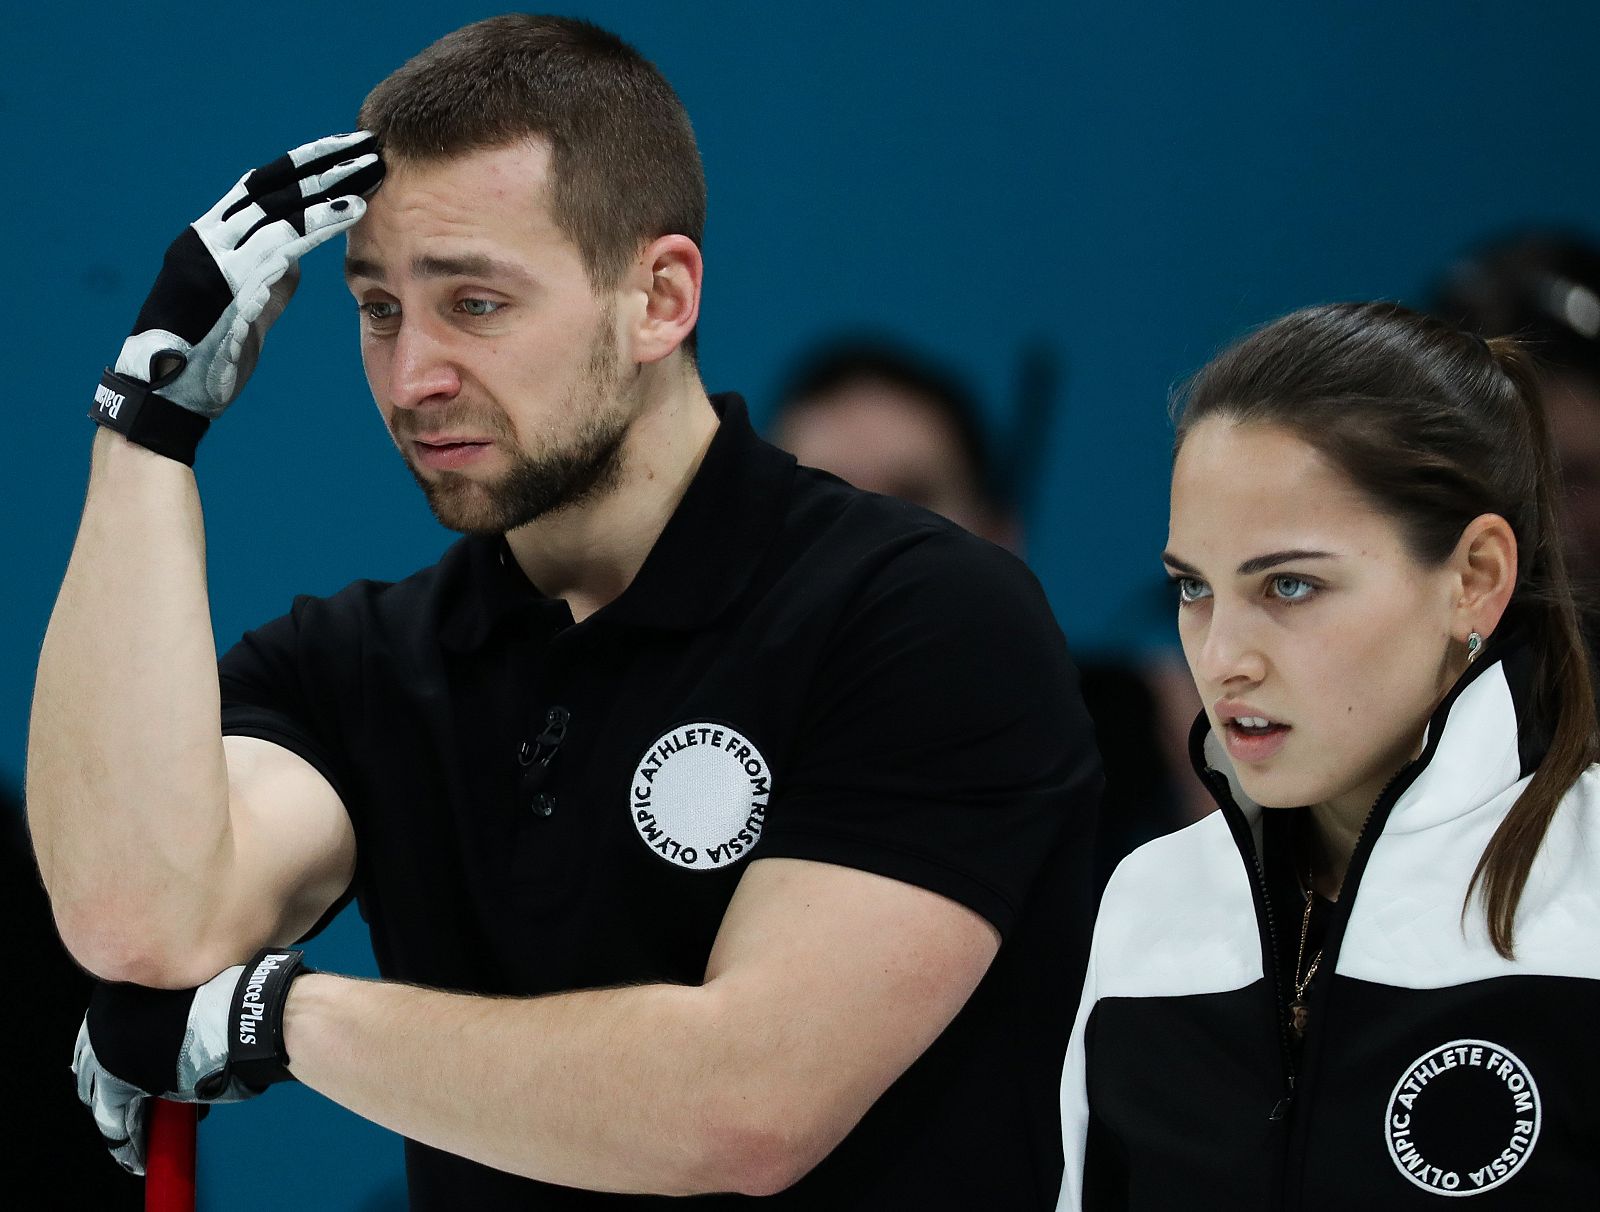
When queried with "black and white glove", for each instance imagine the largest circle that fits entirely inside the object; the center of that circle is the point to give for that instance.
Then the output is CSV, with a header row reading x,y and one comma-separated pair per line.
x,y
220,1043
223,283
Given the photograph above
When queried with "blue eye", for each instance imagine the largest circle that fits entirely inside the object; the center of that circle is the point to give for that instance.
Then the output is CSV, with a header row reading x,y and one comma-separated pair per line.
x,y
1292,589
1190,589
378,310
479,307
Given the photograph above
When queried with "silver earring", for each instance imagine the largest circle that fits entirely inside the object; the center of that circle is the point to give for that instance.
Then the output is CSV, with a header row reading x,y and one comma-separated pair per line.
x,y
1474,645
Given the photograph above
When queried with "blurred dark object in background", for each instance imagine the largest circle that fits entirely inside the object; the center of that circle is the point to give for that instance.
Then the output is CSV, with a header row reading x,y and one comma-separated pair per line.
x,y
1543,287
890,420
55,1149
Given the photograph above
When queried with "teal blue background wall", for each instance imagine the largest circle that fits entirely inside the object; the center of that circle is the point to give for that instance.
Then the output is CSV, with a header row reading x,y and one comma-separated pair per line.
x,y
1125,185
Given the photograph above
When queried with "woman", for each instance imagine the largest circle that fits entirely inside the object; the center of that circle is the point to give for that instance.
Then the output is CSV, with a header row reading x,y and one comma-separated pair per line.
x,y
1372,979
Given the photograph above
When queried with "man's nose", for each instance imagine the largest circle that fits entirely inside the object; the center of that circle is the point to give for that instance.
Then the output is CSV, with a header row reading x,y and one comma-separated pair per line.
x,y
422,370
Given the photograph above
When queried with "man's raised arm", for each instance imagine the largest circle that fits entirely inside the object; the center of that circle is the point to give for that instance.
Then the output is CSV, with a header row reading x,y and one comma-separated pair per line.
x,y
151,835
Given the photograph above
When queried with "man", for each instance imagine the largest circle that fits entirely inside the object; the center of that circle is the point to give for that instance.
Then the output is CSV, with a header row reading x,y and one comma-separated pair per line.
x,y
709,818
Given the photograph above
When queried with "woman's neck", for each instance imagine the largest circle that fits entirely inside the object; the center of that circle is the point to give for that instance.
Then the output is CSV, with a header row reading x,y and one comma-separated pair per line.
x,y
1327,844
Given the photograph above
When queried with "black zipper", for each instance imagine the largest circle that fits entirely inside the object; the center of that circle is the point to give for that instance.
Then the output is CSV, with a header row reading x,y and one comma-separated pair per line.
x,y
1381,806
1245,841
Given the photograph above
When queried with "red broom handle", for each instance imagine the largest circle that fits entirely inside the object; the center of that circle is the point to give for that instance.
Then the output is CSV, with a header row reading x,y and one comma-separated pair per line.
x,y
169,1164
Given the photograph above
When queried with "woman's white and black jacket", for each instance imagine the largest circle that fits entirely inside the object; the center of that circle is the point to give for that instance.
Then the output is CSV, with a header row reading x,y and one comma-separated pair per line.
x,y
1432,1068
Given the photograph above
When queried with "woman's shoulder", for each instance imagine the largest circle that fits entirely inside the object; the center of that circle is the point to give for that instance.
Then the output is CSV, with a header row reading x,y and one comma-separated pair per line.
x,y
1178,917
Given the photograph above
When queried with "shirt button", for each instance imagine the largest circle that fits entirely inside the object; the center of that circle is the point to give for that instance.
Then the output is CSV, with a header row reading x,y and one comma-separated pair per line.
x,y
544,804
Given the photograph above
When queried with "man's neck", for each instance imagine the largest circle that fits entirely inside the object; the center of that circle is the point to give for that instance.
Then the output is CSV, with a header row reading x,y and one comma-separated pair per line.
x,y
589,553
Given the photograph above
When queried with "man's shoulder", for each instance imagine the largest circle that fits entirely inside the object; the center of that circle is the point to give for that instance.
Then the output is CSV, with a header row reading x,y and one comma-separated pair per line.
x,y
844,532
420,599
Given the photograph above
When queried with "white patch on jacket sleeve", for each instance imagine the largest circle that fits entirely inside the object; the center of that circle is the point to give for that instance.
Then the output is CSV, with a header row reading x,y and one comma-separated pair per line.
x,y
699,796
1179,917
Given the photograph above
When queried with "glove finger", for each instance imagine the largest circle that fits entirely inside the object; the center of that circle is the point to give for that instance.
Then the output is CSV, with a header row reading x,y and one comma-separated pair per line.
x,y
118,1109
326,219
129,1158
313,157
227,203
307,225
230,230
361,175
84,1065
129,1152
357,175
308,160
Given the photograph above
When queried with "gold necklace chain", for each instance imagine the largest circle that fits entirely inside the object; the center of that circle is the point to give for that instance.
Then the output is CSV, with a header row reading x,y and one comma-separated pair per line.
x,y
1299,1012
1300,986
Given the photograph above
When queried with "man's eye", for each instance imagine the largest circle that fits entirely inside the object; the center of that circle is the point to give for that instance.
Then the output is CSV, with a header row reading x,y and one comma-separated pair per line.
x,y
479,307
1292,589
1191,589
378,310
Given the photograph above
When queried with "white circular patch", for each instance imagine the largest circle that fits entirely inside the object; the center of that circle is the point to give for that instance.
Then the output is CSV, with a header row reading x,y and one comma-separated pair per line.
x,y
1462,1119
699,796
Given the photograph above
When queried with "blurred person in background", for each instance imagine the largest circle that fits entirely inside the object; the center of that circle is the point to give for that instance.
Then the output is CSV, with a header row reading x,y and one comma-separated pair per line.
x,y
1543,287
891,420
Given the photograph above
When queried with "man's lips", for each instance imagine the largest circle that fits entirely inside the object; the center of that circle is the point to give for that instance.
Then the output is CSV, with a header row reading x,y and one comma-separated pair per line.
x,y
445,453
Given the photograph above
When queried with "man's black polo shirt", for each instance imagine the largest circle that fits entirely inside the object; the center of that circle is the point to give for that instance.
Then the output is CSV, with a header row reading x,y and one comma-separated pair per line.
x,y
799,669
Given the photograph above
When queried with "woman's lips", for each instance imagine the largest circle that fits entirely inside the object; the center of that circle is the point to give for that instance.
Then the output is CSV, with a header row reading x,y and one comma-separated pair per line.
x,y
1254,745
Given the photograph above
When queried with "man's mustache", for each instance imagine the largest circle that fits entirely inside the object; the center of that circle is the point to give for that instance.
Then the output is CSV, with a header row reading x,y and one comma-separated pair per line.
x,y
453,419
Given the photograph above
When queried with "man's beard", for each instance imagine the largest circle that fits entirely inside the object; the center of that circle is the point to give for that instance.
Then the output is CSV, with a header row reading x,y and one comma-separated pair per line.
x,y
586,467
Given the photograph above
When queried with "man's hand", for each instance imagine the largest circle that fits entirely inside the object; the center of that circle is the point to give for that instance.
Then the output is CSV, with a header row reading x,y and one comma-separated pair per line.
x,y
220,1043
232,271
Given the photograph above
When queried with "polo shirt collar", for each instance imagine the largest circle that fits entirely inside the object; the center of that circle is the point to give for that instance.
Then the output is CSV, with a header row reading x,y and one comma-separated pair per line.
x,y
697,568
711,545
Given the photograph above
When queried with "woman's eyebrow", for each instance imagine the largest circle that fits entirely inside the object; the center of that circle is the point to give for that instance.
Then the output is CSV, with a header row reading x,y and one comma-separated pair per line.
x,y
1261,563
1254,564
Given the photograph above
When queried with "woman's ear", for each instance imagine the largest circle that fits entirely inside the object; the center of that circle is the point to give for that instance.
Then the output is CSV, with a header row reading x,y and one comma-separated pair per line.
x,y
1485,563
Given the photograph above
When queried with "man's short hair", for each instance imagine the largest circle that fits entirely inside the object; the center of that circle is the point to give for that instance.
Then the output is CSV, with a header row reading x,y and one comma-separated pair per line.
x,y
625,166
849,361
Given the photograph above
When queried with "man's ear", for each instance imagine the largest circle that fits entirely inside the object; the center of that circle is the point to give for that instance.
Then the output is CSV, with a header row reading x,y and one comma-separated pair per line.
x,y
1485,560
666,279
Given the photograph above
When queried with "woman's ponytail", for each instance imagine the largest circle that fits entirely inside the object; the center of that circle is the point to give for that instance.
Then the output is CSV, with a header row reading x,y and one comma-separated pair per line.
x,y
1564,685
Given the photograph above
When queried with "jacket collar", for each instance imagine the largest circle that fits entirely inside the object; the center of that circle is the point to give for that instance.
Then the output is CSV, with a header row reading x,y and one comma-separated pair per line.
x,y
700,564
1480,741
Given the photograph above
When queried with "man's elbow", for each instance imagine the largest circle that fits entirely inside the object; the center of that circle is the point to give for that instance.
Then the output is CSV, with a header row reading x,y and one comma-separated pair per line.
x,y
767,1150
111,947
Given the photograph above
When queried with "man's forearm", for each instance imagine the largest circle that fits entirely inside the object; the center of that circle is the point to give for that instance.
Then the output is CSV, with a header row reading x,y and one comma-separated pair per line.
x,y
652,1088
127,783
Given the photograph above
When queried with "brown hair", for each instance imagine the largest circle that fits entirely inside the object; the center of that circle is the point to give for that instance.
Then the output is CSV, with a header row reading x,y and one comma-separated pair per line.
x,y
1437,427
624,162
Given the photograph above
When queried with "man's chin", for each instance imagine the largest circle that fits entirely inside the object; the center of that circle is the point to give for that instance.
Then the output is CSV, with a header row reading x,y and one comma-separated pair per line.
x,y
461,504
